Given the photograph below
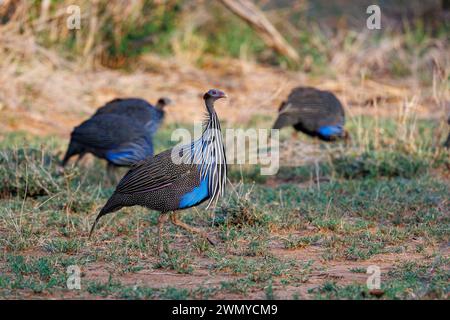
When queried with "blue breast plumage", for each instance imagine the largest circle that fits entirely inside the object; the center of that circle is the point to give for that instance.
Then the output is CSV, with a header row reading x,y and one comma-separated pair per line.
x,y
196,196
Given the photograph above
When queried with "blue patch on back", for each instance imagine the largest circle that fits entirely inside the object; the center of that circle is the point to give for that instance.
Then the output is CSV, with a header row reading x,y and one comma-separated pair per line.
x,y
128,155
197,195
119,157
329,131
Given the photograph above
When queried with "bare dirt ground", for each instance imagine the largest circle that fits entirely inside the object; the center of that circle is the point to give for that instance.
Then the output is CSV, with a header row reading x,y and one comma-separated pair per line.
x,y
63,98
321,271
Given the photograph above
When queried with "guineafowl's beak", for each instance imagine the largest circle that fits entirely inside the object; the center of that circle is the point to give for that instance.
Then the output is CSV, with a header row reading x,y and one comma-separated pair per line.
x,y
223,95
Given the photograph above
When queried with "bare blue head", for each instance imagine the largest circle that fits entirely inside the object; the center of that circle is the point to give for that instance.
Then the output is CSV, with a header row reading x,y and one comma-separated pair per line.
x,y
214,94
162,102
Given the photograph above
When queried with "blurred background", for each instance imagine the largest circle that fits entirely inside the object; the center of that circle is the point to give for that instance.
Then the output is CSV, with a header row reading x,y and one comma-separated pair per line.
x,y
51,77
393,81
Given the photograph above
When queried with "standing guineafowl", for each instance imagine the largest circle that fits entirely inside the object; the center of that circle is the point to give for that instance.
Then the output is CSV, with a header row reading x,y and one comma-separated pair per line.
x,y
317,113
117,139
177,178
120,132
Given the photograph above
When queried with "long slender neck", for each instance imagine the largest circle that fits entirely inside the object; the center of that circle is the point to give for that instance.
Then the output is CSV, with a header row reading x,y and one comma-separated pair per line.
x,y
159,106
209,102
213,164
212,120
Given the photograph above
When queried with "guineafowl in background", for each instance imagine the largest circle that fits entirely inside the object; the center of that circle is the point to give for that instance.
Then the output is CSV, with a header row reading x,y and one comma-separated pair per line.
x,y
317,113
121,132
139,110
117,139
161,183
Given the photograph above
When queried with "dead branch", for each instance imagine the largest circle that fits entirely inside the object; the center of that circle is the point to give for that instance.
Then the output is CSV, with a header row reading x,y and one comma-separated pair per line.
x,y
253,16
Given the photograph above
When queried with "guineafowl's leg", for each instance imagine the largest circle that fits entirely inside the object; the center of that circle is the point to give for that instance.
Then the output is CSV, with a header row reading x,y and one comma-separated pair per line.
x,y
447,143
292,144
80,156
181,224
161,220
110,170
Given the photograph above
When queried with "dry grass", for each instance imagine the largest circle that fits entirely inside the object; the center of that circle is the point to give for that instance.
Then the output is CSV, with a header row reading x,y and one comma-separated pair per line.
x,y
307,232
35,78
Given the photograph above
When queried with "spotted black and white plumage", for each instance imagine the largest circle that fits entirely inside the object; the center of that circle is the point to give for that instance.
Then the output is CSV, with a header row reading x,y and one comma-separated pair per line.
x,y
178,178
317,113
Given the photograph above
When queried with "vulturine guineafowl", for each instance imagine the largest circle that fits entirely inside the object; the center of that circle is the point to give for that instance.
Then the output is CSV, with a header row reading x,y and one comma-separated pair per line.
x,y
117,139
317,113
177,178
139,110
121,132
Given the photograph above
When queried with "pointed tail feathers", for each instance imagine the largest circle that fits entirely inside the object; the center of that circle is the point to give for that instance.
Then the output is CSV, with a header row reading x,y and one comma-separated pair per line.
x,y
112,205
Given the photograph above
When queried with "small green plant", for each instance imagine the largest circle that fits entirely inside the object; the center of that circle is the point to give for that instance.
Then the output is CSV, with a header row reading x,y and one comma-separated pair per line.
x,y
376,164
269,292
29,172
300,242
104,289
62,246
172,293
358,270
331,290
176,260
241,211
37,274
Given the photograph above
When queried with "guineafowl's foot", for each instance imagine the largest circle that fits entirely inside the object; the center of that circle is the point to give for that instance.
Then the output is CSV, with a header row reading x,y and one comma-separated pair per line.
x,y
161,221
181,224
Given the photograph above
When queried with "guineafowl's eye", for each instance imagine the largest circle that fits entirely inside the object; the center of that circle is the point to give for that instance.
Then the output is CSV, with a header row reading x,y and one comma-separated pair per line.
x,y
214,92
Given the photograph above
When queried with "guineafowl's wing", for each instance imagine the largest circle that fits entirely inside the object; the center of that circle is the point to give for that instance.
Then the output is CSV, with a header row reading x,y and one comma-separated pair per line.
x,y
135,108
107,131
288,116
323,109
131,152
111,106
120,105
311,109
153,173
300,109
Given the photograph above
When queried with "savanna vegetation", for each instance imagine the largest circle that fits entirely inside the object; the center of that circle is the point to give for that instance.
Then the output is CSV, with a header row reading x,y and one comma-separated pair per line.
x,y
308,232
